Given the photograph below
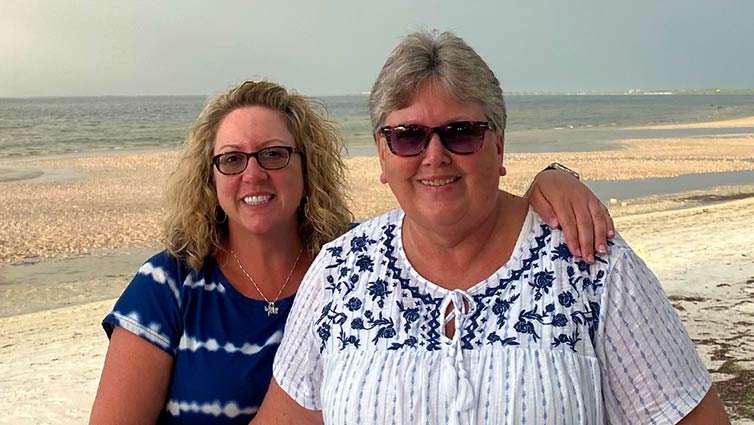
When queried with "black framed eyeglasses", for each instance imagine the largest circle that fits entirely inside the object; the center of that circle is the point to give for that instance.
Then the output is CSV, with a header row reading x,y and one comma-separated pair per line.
x,y
269,158
460,138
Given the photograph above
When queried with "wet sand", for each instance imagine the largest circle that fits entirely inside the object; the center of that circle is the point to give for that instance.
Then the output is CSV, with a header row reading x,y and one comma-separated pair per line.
x,y
68,245
735,123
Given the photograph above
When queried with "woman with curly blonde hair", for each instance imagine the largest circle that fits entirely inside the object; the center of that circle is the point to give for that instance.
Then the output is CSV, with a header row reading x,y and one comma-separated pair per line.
x,y
192,228
194,334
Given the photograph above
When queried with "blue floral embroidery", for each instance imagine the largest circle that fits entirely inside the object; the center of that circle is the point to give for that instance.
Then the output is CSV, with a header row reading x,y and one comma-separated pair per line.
x,y
335,251
361,243
353,304
410,315
567,311
364,263
339,285
542,283
526,318
431,304
559,320
501,307
566,299
561,252
357,323
409,342
568,340
386,330
348,340
493,338
379,290
324,332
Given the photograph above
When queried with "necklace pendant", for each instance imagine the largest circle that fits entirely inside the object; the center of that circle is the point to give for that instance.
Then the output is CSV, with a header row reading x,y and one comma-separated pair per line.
x,y
271,309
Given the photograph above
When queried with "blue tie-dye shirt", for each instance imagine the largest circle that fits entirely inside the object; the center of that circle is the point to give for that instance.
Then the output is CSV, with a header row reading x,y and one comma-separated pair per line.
x,y
222,342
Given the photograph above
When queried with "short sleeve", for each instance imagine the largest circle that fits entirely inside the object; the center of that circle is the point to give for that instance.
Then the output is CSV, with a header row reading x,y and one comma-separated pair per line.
x,y
150,305
298,363
650,369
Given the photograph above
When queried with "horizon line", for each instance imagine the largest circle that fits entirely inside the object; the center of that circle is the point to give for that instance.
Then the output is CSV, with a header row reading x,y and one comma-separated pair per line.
x,y
528,92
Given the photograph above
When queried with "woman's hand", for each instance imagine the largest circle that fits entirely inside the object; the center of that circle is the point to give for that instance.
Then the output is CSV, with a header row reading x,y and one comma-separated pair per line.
x,y
562,200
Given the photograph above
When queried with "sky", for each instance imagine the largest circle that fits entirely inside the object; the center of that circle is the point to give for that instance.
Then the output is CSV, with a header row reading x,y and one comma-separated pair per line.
x,y
317,47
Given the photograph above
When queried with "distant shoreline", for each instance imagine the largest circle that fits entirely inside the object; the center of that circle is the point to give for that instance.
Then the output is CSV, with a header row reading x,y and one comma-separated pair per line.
x,y
624,92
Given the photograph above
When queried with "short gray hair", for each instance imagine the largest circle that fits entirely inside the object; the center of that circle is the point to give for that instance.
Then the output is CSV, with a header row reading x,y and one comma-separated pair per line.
x,y
445,58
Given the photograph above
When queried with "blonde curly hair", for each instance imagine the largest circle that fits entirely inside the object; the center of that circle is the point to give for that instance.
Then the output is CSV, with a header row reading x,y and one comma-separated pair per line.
x,y
193,231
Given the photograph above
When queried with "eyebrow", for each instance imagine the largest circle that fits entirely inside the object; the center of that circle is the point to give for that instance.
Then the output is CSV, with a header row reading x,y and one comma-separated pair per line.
x,y
272,142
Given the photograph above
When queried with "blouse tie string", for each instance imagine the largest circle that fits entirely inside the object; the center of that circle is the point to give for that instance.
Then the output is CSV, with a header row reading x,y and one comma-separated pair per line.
x,y
454,378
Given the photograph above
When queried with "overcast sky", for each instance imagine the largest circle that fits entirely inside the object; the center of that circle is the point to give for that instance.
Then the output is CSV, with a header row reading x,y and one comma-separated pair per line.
x,y
140,47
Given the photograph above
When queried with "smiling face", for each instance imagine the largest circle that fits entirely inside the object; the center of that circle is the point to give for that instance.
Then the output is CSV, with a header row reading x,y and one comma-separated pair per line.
x,y
438,188
258,201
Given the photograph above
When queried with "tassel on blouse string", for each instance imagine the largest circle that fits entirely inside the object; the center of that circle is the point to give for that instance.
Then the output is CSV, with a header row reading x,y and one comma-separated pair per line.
x,y
454,379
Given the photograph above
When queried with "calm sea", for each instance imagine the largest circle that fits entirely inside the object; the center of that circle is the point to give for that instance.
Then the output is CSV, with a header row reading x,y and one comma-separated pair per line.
x,y
48,126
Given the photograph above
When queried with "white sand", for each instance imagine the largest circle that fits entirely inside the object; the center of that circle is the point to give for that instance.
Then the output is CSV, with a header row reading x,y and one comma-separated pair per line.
x,y
50,361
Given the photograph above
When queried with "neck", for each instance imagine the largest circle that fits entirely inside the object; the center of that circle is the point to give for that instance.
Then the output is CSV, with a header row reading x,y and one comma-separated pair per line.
x,y
268,260
458,257
264,250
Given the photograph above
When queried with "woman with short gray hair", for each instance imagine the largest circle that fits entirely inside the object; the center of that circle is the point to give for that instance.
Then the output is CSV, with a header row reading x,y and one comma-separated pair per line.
x,y
463,306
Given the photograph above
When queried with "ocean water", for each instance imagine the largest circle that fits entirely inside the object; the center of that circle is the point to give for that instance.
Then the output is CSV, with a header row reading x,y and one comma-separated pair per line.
x,y
50,126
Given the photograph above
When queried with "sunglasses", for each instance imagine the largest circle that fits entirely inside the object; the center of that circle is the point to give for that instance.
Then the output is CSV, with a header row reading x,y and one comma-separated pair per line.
x,y
269,158
460,138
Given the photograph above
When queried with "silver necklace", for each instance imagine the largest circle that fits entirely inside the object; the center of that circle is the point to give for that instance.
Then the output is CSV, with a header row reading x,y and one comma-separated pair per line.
x,y
271,307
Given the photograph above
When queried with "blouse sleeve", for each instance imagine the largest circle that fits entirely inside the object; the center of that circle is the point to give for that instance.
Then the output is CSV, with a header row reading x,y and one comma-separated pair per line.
x,y
650,369
298,362
150,305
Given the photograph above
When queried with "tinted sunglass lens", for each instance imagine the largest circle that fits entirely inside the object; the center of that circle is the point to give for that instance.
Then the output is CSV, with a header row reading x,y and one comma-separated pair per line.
x,y
463,139
408,141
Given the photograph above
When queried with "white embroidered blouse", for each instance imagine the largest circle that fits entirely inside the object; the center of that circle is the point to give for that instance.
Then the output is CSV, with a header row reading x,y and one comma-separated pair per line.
x,y
546,339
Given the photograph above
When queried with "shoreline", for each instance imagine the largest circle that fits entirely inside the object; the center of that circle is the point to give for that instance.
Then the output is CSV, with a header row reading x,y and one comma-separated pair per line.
x,y
81,203
742,122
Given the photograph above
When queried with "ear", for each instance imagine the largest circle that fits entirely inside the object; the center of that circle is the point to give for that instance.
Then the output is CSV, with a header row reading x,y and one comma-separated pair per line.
x,y
499,144
382,152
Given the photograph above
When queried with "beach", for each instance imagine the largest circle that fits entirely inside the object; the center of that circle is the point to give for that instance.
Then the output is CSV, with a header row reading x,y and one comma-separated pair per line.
x,y
74,229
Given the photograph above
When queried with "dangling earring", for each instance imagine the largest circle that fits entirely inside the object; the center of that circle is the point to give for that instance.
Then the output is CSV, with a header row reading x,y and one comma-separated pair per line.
x,y
305,201
220,216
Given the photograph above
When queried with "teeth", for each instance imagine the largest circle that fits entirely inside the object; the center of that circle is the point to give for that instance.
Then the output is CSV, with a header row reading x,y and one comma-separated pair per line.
x,y
257,200
438,182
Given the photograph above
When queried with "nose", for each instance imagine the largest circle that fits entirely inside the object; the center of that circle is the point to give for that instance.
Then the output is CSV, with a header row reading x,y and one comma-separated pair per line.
x,y
254,171
435,153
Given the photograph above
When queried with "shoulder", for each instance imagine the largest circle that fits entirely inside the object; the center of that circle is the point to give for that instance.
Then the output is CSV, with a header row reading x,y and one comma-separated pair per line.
x,y
357,250
546,250
539,234
164,268
362,236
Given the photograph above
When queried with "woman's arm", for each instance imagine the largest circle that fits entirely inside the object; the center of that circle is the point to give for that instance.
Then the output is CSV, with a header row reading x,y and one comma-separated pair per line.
x,y
709,411
562,200
134,381
279,408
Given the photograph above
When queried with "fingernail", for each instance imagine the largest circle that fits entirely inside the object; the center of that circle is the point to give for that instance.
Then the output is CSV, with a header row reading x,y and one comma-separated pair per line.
x,y
578,253
553,222
590,259
602,250
610,233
